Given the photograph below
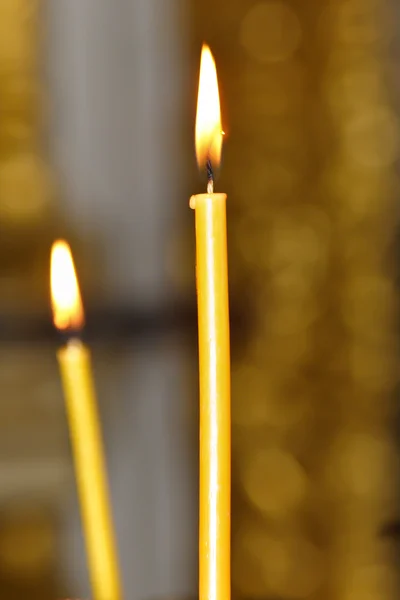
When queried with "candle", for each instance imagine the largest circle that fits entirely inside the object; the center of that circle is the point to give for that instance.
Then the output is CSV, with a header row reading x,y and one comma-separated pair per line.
x,y
75,367
214,353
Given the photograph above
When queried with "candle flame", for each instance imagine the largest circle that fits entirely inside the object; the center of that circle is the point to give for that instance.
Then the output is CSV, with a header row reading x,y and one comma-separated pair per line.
x,y
65,295
208,117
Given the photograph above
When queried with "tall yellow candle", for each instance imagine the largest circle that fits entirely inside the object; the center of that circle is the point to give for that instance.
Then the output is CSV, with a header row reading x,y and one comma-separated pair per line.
x,y
214,349
77,381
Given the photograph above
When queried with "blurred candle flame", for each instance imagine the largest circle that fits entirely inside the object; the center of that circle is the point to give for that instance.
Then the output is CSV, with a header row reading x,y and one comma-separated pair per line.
x,y
208,118
65,295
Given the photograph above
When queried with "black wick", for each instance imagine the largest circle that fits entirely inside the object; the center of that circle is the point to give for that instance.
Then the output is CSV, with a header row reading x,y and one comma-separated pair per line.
x,y
210,177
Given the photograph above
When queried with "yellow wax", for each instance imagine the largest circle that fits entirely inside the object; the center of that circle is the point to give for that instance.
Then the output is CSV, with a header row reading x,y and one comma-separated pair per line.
x,y
80,398
214,374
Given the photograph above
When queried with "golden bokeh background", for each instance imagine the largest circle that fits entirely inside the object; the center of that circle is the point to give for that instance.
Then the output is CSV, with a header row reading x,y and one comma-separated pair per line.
x,y
310,166
311,174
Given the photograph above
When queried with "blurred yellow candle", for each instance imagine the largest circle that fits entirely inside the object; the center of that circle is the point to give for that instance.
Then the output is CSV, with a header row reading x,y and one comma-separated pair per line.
x,y
77,381
214,349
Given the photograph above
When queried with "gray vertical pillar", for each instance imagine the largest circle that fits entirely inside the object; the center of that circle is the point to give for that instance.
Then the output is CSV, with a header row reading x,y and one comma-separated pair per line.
x,y
116,71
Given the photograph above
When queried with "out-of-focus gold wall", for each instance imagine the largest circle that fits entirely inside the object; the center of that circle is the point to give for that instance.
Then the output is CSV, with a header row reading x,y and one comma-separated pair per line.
x,y
309,166
26,182
310,171
27,529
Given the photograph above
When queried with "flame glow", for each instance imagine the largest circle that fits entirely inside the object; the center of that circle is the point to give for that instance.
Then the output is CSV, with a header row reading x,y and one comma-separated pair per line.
x,y
65,296
208,117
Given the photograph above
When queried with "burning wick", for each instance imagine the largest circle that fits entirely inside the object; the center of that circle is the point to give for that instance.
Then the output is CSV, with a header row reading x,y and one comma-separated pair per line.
x,y
210,177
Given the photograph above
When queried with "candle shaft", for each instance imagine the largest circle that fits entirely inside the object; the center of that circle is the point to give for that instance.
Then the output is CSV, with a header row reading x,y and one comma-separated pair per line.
x,y
214,373
75,367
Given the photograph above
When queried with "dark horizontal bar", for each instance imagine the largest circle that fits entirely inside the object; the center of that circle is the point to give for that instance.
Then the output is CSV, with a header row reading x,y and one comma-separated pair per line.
x,y
106,324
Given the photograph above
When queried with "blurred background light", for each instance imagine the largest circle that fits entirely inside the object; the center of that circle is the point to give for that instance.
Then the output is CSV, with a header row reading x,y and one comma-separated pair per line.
x,y
270,32
97,106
